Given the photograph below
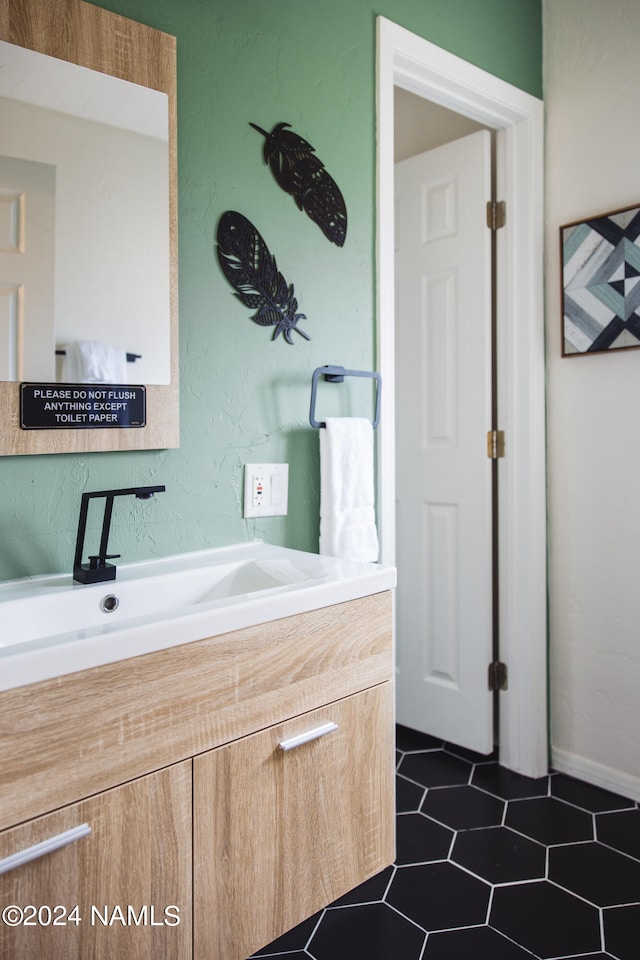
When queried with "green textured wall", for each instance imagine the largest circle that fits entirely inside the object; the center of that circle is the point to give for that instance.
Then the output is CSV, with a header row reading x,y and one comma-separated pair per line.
x,y
243,397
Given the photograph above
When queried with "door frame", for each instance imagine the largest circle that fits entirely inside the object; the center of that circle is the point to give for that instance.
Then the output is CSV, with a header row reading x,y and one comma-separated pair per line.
x,y
408,61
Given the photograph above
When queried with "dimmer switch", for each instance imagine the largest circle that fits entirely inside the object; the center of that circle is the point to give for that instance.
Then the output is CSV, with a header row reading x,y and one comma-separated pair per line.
x,y
266,487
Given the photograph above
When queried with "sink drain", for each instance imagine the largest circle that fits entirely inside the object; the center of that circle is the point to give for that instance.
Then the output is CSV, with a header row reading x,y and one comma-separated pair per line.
x,y
109,603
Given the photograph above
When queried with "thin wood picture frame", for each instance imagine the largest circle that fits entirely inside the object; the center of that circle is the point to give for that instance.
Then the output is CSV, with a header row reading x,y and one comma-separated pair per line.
x,y
600,262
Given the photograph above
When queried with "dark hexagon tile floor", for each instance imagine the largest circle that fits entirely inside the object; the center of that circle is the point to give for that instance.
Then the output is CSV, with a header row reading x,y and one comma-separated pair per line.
x,y
419,839
599,875
373,930
409,795
507,784
439,896
479,943
586,796
435,769
621,926
546,920
408,740
549,820
620,831
490,865
499,855
463,808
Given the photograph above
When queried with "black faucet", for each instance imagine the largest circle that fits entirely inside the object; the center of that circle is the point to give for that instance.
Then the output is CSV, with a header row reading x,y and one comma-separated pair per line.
x,y
98,570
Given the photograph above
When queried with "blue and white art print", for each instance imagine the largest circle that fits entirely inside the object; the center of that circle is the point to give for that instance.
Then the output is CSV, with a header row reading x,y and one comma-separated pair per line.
x,y
601,283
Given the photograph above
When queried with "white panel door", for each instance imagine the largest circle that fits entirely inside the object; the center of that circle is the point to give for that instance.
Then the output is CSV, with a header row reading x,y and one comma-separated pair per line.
x,y
443,410
27,249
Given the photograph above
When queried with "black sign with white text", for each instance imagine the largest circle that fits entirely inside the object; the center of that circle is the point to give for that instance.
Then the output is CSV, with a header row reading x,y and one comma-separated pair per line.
x,y
81,406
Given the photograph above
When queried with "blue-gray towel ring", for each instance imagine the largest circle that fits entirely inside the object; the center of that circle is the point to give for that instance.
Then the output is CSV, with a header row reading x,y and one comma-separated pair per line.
x,y
337,375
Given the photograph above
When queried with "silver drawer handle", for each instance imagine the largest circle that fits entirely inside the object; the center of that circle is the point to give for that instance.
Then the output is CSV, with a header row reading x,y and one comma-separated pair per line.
x,y
320,731
46,846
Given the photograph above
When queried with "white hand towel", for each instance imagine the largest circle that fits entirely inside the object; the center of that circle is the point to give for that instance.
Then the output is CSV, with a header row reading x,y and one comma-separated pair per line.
x,y
92,361
347,502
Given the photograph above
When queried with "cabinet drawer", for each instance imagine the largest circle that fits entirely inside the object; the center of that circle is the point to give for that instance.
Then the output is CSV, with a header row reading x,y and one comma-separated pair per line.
x,y
137,855
280,833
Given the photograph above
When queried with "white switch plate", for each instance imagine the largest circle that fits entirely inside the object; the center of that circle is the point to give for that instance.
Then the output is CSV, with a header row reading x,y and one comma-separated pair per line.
x,y
266,489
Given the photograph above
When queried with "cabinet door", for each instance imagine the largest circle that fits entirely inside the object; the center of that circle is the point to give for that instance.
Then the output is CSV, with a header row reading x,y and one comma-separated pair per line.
x,y
279,834
126,877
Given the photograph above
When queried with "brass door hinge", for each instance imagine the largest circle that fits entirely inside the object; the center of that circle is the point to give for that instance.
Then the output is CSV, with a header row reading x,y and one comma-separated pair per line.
x,y
495,444
497,676
496,214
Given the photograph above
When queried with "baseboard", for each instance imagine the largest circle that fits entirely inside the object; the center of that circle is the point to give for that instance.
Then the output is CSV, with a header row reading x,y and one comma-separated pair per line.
x,y
597,774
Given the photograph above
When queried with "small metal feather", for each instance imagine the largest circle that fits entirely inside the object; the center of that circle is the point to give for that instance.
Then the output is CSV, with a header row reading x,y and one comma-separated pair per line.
x,y
299,172
252,270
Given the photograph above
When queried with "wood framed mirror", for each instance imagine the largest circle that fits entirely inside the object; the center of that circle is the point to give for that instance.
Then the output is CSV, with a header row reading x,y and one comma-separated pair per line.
x,y
80,33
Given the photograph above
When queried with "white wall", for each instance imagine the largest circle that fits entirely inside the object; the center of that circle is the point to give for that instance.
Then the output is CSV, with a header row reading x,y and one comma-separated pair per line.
x,y
592,97
421,125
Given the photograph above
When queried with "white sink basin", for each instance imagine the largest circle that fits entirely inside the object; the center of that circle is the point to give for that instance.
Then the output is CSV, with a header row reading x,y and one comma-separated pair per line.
x,y
50,625
52,606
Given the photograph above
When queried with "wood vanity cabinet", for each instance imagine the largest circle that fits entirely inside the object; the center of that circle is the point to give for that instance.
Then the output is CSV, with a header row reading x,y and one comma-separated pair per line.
x,y
174,760
137,855
279,834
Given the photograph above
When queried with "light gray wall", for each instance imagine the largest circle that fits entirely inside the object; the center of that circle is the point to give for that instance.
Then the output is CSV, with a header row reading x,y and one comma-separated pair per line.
x,y
593,141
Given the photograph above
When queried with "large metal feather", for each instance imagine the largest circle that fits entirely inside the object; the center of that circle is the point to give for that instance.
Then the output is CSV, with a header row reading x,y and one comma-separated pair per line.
x,y
298,171
252,270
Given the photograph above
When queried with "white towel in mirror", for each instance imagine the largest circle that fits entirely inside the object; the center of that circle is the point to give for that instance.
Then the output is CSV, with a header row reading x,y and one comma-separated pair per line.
x,y
92,361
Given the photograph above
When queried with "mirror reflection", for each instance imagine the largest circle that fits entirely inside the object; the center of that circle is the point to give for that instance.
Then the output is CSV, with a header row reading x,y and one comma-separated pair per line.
x,y
84,224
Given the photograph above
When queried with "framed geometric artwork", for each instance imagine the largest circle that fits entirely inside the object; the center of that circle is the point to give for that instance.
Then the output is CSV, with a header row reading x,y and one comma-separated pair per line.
x,y
601,283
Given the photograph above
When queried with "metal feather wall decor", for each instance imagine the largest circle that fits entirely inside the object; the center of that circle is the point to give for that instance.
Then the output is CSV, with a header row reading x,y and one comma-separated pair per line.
x,y
252,270
302,174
